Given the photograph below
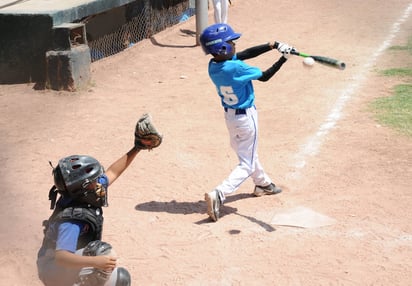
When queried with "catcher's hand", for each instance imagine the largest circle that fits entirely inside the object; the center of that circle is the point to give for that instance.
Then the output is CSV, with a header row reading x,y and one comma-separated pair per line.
x,y
99,274
146,136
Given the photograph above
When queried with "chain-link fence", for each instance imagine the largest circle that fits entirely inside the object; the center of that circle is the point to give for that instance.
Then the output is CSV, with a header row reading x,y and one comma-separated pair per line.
x,y
142,19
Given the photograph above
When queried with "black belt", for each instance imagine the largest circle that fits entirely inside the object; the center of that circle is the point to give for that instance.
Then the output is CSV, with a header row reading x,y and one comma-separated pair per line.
x,y
237,111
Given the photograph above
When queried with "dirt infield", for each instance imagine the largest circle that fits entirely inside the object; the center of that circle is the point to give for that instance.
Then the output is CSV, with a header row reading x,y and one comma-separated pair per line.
x,y
346,179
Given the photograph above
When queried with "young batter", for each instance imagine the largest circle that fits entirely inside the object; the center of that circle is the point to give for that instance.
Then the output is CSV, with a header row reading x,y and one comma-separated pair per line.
x,y
233,80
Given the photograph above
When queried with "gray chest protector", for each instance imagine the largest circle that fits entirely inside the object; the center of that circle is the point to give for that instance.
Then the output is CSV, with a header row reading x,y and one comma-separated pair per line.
x,y
92,217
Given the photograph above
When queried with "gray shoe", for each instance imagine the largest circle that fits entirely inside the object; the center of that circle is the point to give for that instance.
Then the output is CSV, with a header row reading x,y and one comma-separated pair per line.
x,y
271,189
213,204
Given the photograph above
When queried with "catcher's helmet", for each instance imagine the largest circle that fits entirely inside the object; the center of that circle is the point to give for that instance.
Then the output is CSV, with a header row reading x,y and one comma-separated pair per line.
x,y
214,39
74,174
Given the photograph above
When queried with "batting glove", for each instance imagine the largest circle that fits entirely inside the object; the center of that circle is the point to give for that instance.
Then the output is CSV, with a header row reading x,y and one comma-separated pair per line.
x,y
284,49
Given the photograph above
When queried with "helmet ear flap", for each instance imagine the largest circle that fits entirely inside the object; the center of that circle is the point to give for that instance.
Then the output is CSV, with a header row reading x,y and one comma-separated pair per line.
x,y
58,179
225,49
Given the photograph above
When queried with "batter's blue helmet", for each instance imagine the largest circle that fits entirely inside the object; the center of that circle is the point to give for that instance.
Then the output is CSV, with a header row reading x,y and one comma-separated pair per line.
x,y
215,37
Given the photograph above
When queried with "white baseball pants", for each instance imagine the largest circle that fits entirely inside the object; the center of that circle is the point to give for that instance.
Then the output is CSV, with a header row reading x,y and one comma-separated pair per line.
x,y
243,132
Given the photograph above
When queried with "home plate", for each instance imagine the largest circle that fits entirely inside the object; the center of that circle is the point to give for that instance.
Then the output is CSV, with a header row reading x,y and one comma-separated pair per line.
x,y
302,217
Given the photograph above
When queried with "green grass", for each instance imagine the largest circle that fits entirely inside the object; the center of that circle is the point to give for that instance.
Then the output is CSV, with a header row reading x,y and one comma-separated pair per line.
x,y
407,47
395,111
397,72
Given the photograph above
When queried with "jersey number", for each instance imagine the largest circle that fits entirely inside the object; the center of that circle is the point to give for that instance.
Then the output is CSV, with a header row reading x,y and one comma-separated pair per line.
x,y
229,97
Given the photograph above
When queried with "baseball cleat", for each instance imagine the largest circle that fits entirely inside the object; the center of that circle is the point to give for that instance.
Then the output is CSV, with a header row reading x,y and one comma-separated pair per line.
x,y
270,189
213,204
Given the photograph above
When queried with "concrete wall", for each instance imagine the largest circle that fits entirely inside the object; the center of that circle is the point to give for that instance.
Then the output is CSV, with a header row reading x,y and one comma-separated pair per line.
x,y
26,34
23,44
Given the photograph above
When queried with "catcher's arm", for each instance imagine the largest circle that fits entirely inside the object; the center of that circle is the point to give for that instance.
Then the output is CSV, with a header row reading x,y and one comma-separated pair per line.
x,y
71,260
121,164
146,138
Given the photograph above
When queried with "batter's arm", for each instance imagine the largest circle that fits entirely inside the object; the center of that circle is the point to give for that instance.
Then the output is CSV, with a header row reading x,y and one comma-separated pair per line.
x,y
267,74
254,51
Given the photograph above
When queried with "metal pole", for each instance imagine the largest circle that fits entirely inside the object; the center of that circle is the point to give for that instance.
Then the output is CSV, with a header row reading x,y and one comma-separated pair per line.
x,y
201,17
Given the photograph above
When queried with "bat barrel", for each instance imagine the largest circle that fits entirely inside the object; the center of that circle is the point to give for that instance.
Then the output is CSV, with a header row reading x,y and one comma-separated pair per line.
x,y
330,62
322,60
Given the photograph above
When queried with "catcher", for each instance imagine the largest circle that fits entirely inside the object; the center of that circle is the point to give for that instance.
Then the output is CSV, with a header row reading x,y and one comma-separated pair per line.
x,y
72,252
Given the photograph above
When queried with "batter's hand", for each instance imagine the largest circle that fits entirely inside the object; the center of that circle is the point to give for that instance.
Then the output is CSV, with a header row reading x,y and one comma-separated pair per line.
x,y
284,49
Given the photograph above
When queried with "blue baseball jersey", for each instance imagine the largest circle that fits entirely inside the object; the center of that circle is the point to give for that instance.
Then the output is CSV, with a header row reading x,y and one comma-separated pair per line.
x,y
233,81
68,235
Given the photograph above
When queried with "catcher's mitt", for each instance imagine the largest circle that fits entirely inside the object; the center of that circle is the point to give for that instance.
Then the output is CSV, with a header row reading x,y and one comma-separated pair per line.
x,y
146,136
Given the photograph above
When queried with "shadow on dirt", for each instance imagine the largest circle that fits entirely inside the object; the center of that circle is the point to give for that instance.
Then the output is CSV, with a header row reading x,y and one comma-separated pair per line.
x,y
175,207
156,43
263,224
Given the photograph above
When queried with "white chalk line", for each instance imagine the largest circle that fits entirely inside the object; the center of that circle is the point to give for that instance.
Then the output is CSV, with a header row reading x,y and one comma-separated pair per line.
x,y
313,145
